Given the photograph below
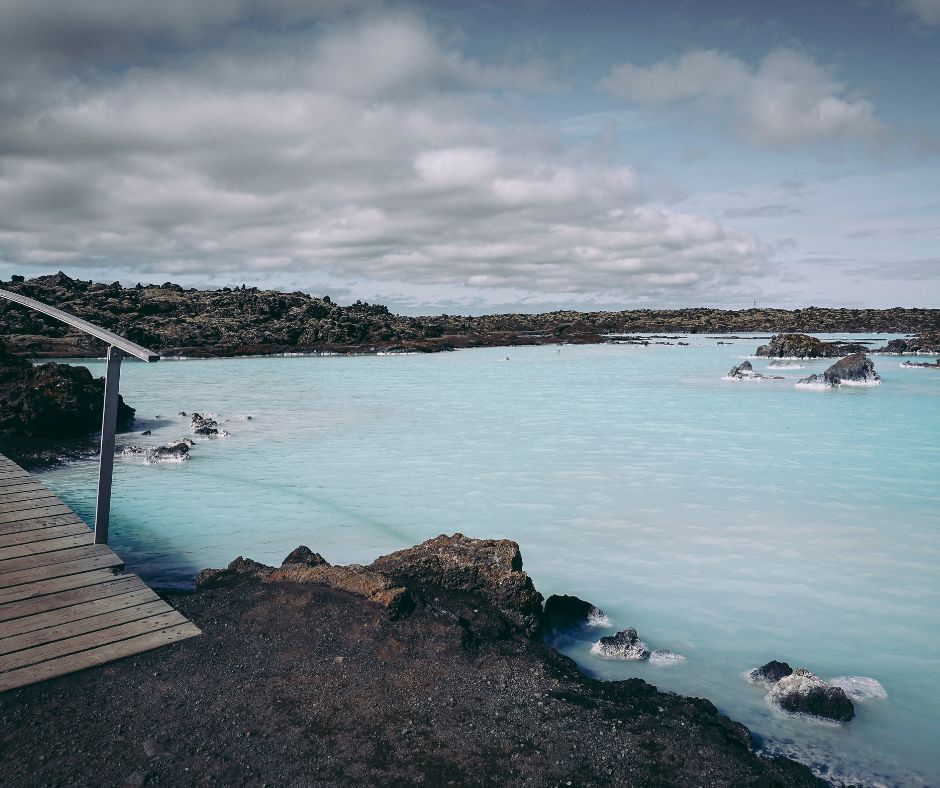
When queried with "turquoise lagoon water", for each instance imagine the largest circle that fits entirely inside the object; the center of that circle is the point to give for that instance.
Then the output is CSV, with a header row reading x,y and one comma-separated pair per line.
x,y
731,522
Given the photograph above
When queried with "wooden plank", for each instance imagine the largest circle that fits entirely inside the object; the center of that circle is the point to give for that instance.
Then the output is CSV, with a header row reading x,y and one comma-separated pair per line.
x,y
101,637
12,517
84,625
13,474
95,656
21,484
42,534
32,501
8,565
48,595
11,579
24,496
47,545
35,523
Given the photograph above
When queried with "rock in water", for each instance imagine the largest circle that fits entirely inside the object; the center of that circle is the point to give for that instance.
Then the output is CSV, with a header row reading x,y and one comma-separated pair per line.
x,y
746,372
805,346
854,370
490,569
203,425
171,452
770,673
564,613
663,656
624,645
803,692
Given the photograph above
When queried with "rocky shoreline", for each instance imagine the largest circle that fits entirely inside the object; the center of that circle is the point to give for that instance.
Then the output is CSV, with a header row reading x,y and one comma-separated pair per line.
x,y
426,667
248,321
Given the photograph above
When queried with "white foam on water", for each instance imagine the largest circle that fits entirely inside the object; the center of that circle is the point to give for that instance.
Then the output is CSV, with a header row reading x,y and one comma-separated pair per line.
x,y
775,365
813,386
663,657
860,384
597,618
749,376
859,688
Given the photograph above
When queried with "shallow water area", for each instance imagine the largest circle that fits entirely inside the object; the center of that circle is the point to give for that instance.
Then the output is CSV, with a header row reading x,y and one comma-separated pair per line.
x,y
731,524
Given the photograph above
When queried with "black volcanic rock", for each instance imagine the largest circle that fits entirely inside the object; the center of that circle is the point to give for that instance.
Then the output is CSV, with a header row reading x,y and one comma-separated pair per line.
x,y
249,321
925,342
856,368
51,400
626,644
486,569
305,556
770,673
805,346
563,613
803,692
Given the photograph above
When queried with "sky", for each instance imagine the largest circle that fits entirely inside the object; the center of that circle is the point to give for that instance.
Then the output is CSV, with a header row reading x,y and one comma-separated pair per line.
x,y
473,157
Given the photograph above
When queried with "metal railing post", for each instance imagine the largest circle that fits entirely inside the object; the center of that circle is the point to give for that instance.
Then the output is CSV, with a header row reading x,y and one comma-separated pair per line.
x,y
108,427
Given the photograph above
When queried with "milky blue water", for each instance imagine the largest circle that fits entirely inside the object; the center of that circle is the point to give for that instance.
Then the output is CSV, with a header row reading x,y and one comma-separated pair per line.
x,y
731,522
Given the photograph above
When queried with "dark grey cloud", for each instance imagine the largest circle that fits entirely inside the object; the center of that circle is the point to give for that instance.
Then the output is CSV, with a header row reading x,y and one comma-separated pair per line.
x,y
321,142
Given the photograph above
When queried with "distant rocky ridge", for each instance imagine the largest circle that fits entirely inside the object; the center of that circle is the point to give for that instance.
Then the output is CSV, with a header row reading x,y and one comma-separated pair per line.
x,y
249,321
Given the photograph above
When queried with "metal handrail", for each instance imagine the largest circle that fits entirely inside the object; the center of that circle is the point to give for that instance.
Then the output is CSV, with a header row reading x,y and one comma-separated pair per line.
x,y
118,347
112,339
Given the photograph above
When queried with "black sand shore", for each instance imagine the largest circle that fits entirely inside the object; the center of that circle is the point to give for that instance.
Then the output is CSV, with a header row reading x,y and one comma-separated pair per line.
x,y
423,669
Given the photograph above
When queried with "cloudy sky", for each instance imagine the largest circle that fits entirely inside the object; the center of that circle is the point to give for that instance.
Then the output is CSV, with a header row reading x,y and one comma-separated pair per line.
x,y
479,156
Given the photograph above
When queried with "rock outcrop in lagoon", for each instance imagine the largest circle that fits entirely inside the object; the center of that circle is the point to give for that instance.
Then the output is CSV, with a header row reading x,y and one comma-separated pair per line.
x,y
927,342
805,346
626,644
799,691
854,370
803,692
745,371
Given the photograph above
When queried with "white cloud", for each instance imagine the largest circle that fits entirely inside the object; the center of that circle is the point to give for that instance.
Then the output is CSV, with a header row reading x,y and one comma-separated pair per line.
x,y
786,101
926,12
360,150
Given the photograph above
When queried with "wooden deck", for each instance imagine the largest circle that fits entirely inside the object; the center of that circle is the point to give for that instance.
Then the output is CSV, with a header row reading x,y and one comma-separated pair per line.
x,y
65,604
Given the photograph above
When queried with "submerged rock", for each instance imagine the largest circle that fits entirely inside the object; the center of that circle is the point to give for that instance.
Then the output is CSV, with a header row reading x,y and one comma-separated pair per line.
x,y
624,645
806,346
745,371
203,425
770,673
564,613
854,370
803,692
663,656
921,364
170,452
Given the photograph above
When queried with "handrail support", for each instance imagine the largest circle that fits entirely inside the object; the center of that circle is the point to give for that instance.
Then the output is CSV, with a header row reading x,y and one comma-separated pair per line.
x,y
109,414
